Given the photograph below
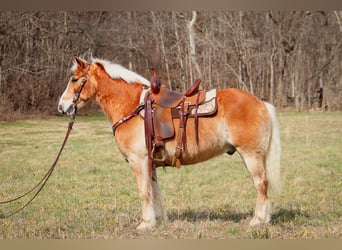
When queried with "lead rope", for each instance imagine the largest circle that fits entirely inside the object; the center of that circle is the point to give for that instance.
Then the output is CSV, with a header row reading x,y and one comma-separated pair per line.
x,y
46,177
44,180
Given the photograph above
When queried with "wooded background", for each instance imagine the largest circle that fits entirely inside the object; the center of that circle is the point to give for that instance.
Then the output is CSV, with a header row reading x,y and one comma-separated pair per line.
x,y
282,57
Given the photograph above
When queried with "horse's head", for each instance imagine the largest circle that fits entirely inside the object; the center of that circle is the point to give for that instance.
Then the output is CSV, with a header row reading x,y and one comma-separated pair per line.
x,y
80,87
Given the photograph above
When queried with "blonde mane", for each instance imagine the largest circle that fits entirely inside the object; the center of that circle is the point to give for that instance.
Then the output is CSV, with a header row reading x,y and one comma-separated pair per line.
x,y
116,71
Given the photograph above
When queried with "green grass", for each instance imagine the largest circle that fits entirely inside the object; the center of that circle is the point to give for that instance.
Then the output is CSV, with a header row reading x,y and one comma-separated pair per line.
x,y
92,193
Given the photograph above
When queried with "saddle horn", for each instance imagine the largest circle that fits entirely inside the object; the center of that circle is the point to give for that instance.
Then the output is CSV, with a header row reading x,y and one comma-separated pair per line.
x,y
155,82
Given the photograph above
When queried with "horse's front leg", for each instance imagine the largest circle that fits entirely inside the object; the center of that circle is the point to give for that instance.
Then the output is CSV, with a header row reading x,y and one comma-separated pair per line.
x,y
149,193
157,198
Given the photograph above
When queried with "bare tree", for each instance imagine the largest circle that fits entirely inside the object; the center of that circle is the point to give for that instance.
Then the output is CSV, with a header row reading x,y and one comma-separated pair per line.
x,y
281,56
192,45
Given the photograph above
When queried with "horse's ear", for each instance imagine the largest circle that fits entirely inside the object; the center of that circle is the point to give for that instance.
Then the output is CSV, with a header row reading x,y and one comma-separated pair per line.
x,y
80,62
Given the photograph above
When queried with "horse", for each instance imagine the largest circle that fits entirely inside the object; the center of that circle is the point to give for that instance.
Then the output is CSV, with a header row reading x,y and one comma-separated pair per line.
x,y
242,123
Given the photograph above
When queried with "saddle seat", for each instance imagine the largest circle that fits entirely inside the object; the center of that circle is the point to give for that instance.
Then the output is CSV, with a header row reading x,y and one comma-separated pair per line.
x,y
169,99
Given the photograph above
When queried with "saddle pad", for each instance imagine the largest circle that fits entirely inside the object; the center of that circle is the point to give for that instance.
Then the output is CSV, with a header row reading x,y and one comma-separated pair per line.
x,y
204,109
210,95
143,95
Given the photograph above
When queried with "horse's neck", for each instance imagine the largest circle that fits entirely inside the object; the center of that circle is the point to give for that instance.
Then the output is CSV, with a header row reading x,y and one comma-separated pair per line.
x,y
118,99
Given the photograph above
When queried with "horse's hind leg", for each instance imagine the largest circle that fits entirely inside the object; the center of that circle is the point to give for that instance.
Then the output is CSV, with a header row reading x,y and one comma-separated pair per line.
x,y
255,164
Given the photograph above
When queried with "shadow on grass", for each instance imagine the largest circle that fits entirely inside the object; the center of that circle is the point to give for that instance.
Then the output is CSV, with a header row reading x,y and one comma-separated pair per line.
x,y
228,214
288,215
193,215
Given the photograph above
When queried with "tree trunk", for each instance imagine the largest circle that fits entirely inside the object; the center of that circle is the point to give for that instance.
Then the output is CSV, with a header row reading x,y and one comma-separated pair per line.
x,y
338,15
162,47
179,51
130,43
192,44
272,75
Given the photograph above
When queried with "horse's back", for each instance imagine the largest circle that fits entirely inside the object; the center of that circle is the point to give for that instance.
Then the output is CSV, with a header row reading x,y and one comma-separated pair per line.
x,y
237,100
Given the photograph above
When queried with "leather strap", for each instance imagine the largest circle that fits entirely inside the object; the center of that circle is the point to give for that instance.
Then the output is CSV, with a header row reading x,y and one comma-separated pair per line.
x,y
46,177
149,131
43,181
180,140
126,118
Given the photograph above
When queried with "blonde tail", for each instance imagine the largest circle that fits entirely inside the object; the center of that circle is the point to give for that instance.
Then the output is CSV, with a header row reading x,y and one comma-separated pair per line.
x,y
274,154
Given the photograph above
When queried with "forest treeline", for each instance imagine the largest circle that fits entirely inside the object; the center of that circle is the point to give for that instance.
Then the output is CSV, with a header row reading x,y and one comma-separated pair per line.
x,y
287,58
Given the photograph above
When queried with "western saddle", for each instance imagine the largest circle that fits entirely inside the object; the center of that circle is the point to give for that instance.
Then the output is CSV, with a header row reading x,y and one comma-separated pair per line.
x,y
161,106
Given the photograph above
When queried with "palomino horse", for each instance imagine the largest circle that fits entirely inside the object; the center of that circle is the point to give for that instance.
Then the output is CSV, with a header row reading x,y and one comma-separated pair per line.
x,y
242,123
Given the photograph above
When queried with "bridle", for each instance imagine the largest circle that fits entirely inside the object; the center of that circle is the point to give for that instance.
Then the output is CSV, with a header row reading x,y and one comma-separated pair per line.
x,y
46,177
78,94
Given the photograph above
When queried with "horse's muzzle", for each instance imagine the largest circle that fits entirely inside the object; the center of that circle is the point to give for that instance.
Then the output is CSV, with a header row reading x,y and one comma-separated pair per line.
x,y
66,107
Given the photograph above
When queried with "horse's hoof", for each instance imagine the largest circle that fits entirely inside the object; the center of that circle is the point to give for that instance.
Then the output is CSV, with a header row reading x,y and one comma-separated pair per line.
x,y
143,226
256,221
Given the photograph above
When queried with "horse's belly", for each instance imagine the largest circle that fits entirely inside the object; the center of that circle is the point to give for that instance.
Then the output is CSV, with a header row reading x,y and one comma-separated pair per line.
x,y
208,147
205,151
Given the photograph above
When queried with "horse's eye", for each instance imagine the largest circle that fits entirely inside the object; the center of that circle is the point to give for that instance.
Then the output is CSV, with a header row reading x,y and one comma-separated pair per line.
x,y
74,80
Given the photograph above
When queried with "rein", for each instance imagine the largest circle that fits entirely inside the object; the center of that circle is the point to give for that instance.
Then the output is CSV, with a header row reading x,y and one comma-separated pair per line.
x,y
43,181
46,177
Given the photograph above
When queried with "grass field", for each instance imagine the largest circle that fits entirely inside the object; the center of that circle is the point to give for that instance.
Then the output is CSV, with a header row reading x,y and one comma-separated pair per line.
x,y
92,193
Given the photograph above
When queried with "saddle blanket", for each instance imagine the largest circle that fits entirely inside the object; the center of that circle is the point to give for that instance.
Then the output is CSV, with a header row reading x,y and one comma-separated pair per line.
x,y
206,108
